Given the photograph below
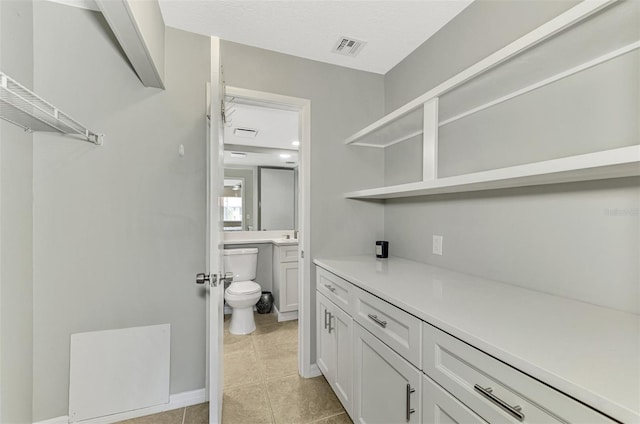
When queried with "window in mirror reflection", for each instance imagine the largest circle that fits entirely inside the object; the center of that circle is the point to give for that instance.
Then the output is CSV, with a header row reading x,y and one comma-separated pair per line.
x,y
232,204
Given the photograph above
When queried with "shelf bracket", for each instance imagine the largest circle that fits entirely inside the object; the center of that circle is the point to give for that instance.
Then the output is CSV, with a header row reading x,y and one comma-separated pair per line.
x,y
430,141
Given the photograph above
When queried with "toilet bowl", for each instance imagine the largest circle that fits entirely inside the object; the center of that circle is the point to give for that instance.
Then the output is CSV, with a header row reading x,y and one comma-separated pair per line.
x,y
241,296
243,293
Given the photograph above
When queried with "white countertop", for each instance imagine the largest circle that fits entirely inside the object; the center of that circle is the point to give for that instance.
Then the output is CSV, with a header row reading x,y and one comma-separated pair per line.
x,y
589,352
277,238
277,241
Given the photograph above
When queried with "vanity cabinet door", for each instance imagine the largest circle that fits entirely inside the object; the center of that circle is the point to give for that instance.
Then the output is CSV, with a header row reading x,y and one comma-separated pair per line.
x,y
387,388
288,286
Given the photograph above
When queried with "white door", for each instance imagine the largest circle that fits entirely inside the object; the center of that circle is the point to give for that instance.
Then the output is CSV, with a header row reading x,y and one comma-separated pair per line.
x,y
214,238
439,407
387,388
288,286
325,343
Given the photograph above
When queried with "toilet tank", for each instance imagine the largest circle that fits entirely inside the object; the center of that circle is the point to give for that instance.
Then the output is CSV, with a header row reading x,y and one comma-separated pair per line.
x,y
242,262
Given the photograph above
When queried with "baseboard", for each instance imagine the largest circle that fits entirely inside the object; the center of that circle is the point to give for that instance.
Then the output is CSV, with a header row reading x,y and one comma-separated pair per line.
x,y
313,371
178,400
57,420
285,316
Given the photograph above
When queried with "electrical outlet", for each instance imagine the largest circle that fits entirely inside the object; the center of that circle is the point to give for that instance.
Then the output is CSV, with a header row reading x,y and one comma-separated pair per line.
x,y
437,245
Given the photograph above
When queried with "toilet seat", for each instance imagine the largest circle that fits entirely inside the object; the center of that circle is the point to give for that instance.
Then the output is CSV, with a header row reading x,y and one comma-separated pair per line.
x,y
244,287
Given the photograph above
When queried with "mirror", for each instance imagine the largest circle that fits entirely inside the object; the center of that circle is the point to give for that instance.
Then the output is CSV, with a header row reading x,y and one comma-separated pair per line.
x,y
261,167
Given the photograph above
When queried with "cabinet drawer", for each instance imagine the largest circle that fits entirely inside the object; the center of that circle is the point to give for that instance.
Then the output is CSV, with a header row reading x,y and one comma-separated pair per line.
x,y
493,390
395,327
288,253
335,288
438,406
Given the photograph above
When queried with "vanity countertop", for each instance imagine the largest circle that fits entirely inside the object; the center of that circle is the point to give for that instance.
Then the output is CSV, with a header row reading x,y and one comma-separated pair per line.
x,y
275,241
589,352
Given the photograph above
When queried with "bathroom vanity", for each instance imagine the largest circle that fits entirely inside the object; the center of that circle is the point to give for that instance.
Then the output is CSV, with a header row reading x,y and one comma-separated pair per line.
x,y
285,280
401,341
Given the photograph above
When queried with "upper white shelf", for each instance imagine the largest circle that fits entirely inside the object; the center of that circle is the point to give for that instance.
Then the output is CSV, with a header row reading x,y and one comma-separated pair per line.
x,y
614,163
404,123
22,107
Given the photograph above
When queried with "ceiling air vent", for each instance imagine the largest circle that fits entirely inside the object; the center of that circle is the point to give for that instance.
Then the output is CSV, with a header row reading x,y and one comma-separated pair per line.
x,y
348,46
245,132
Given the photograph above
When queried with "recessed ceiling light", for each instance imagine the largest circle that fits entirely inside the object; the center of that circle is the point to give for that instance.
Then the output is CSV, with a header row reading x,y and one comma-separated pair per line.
x,y
285,155
295,143
237,154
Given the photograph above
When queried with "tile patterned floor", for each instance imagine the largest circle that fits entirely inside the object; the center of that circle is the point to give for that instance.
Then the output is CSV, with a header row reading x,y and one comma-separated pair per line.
x,y
261,383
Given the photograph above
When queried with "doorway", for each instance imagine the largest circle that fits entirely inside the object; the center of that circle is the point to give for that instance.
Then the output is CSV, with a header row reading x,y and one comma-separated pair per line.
x,y
294,155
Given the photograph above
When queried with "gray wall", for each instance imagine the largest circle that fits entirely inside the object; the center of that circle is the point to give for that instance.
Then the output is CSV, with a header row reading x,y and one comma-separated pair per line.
x,y
342,101
118,229
579,240
16,222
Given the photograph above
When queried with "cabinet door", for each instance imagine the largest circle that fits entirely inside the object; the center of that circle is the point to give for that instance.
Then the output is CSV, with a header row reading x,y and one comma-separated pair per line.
x,y
325,341
342,331
288,286
439,407
387,388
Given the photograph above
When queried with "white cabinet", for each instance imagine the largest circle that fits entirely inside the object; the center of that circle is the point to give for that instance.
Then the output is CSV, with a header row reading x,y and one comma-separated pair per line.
x,y
335,348
387,388
396,328
285,280
439,407
495,391
288,282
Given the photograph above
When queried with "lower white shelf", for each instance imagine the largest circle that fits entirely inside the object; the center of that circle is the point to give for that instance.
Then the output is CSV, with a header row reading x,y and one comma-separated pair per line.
x,y
614,163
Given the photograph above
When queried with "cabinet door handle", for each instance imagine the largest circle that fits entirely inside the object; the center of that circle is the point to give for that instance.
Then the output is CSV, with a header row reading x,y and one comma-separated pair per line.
x,y
331,316
331,289
409,410
325,318
515,411
378,321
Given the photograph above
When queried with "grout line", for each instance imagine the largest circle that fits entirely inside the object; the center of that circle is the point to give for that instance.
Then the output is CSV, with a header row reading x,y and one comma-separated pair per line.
x,y
273,415
184,415
330,416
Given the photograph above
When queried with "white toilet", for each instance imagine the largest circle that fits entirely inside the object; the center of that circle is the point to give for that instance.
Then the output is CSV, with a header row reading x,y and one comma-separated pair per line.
x,y
242,294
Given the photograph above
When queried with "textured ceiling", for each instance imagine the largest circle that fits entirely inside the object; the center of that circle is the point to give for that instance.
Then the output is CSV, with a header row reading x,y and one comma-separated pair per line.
x,y
310,28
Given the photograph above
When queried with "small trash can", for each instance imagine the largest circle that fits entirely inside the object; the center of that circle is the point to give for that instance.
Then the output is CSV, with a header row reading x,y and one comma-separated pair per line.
x,y
265,303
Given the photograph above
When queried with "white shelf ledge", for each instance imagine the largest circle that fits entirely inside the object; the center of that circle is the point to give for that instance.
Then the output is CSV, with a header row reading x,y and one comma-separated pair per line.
x,y
22,107
614,163
392,128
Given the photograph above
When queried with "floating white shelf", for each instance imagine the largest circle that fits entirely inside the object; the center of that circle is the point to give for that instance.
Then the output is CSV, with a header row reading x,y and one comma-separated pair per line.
x,y
614,163
22,107
404,123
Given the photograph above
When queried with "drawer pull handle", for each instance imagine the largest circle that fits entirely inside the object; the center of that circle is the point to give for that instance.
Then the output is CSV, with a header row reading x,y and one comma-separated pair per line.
x,y
331,316
378,321
515,411
325,318
331,289
410,410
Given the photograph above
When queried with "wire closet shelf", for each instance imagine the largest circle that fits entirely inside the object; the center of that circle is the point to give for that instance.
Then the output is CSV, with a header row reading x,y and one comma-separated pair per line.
x,y
24,108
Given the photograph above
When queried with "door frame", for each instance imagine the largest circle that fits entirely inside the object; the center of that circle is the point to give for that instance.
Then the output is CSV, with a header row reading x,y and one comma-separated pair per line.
x,y
306,368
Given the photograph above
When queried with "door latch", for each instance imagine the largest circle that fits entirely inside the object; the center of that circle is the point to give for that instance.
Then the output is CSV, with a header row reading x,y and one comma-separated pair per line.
x,y
211,279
